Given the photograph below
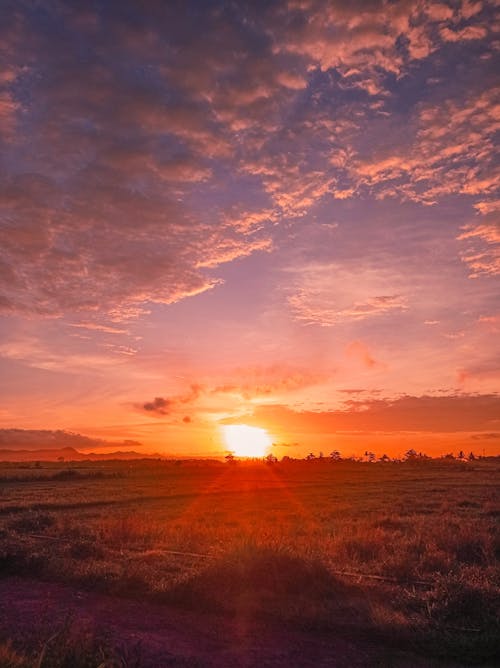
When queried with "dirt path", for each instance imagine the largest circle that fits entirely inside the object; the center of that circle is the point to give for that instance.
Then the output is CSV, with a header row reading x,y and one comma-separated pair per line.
x,y
172,637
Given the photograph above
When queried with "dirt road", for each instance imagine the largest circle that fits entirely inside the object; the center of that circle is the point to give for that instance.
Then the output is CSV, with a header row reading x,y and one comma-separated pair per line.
x,y
171,637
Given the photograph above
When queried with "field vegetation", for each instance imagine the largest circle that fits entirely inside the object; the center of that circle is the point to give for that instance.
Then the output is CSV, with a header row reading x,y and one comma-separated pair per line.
x,y
405,554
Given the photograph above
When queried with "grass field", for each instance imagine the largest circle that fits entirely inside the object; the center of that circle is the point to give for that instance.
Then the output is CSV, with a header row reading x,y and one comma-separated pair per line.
x,y
405,554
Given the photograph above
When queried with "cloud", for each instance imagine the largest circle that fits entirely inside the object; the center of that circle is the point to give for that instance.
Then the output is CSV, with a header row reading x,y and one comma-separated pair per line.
x,y
237,386
34,439
183,140
483,244
437,158
96,327
469,32
254,381
37,353
453,413
363,37
161,406
490,321
328,294
112,223
471,7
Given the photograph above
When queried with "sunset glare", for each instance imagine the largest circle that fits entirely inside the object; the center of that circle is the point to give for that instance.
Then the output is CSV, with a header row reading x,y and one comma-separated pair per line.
x,y
245,441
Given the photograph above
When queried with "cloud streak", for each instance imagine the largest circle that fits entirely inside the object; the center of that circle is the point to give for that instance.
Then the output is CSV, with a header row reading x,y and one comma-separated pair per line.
x,y
454,413
328,294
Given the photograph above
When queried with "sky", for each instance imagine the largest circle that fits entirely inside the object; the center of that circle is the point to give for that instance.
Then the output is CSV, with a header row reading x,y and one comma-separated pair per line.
x,y
278,214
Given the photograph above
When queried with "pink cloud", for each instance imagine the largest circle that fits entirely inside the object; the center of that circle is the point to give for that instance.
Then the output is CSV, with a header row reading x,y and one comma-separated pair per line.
x,y
490,319
438,11
438,157
116,222
97,327
265,381
326,295
228,250
488,206
483,245
470,8
469,32
487,232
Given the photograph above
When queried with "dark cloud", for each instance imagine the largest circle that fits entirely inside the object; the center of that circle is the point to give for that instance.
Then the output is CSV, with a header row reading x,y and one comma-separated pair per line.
x,y
33,439
161,406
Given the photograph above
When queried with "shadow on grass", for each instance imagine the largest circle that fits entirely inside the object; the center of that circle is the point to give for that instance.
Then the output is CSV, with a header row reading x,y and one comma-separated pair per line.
x,y
264,583
277,586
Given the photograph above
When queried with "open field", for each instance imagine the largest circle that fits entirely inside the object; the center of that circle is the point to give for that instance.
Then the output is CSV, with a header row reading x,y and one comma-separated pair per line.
x,y
399,556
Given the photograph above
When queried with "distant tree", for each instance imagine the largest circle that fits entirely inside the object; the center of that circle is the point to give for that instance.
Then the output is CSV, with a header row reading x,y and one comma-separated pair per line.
x,y
230,458
461,455
385,458
370,456
449,456
335,456
410,455
270,458
471,457
310,456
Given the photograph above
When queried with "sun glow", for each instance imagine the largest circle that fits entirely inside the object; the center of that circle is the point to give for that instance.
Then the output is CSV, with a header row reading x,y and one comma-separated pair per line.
x,y
245,441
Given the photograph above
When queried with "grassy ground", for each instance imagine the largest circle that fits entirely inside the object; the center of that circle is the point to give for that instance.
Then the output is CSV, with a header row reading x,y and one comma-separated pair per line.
x,y
405,553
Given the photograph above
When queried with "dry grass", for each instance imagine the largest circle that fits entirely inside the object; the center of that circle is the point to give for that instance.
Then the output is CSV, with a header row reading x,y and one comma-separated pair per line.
x,y
69,648
280,541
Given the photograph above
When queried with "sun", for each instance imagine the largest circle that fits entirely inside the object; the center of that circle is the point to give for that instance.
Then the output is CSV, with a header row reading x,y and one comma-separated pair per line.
x,y
245,441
